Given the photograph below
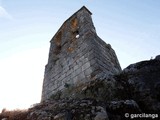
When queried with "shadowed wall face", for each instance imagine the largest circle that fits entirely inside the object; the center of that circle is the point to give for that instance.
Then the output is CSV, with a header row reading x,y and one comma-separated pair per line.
x,y
77,54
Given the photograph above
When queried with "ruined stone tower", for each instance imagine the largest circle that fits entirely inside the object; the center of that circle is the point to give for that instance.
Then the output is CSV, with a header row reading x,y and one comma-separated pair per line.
x,y
77,54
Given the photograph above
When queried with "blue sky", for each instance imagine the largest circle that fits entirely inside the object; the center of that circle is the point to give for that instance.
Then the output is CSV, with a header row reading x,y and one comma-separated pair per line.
x,y
132,28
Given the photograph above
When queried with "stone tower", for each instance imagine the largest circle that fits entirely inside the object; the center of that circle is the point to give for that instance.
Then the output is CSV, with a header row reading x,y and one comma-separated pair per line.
x,y
77,54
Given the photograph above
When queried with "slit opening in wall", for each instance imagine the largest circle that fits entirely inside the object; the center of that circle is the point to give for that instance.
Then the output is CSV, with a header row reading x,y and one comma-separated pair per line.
x,y
77,34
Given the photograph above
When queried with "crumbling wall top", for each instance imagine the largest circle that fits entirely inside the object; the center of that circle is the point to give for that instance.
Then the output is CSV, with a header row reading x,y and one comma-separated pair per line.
x,y
81,9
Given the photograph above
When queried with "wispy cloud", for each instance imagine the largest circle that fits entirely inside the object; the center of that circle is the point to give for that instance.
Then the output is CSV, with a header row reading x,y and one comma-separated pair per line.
x,y
4,13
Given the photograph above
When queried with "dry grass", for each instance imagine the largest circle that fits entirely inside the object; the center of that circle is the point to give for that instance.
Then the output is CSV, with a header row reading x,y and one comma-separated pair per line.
x,y
14,114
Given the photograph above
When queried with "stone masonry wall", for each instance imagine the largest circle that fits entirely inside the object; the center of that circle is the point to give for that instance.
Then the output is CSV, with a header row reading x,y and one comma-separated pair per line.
x,y
77,54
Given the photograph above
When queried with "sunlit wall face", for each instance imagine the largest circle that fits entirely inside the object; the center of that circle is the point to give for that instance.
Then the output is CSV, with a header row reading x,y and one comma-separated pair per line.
x,y
26,27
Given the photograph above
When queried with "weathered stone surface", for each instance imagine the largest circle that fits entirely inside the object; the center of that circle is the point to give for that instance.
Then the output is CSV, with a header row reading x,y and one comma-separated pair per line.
x,y
65,109
75,60
134,90
144,82
123,106
157,57
102,114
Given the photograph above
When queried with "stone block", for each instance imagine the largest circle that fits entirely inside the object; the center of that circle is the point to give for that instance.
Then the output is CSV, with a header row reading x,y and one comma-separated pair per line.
x,y
93,61
75,79
85,60
81,58
78,71
62,76
81,76
76,67
80,63
85,66
68,73
88,71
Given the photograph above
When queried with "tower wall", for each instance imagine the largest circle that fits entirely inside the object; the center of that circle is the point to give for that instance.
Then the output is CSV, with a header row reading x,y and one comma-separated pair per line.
x,y
77,54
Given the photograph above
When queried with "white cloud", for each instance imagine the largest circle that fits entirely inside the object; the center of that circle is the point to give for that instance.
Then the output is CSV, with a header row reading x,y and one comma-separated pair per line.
x,y
4,13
